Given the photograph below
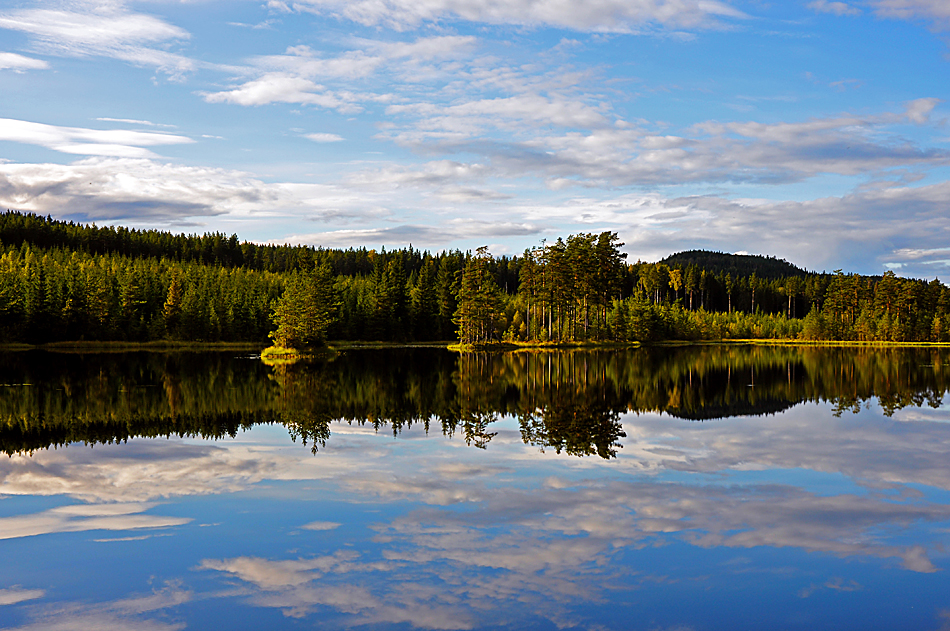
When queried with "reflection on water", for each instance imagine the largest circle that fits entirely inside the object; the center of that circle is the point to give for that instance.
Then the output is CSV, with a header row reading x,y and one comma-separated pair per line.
x,y
819,499
567,401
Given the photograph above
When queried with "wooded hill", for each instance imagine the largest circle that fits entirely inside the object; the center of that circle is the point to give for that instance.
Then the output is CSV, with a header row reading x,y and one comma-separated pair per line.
x,y
67,281
720,263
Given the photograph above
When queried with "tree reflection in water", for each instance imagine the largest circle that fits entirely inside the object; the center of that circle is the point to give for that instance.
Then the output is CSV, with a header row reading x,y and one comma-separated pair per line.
x,y
569,401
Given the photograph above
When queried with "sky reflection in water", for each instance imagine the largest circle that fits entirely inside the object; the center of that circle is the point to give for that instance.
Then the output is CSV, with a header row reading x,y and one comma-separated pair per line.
x,y
801,519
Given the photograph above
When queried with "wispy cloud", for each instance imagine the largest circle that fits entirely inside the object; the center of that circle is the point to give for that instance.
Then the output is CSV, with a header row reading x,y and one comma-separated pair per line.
x,y
835,8
304,77
86,28
602,16
16,595
13,61
94,142
142,190
321,525
85,517
324,137
129,613
133,121
935,11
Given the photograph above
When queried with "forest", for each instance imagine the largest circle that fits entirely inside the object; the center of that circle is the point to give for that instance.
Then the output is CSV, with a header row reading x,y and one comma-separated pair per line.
x,y
63,281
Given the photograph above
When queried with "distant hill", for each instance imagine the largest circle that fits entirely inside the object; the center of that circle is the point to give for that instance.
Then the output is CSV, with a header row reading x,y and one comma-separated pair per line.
x,y
736,264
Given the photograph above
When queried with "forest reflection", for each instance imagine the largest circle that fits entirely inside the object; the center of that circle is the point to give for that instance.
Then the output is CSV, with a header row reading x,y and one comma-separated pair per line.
x,y
565,401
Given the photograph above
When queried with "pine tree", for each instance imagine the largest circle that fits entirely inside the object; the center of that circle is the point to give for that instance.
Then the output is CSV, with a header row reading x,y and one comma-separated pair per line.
x,y
305,310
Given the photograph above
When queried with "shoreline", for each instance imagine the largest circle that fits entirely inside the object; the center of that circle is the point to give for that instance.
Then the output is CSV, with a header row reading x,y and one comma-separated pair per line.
x,y
83,346
501,347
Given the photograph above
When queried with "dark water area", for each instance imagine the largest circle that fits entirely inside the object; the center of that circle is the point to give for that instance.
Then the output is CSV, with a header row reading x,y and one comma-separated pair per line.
x,y
708,487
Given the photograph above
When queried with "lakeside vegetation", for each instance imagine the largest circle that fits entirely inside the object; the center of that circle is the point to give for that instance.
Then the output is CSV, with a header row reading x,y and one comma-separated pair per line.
x,y
61,281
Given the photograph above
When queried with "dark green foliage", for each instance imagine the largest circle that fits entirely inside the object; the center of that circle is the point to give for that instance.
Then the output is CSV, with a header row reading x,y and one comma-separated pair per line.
x,y
65,281
737,265
479,302
305,310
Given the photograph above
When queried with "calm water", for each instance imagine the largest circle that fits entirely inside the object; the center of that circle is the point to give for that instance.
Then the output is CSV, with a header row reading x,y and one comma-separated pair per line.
x,y
692,488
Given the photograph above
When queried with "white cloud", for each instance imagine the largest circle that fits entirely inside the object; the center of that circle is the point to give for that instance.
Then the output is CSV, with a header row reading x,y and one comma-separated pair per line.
x,y
289,585
133,121
140,190
276,574
16,595
321,525
95,142
19,62
414,234
85,517
836,8
284,88
597,15
622,154
79,29
132,475
935,11
904,224
506,112
119,615
293,76
323,137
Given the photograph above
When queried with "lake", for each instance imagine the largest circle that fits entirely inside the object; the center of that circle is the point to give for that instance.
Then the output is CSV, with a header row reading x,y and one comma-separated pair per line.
x,y
707,487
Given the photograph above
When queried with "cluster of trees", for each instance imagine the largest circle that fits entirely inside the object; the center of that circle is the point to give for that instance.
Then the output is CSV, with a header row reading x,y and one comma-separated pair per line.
x,y
66,281
57,295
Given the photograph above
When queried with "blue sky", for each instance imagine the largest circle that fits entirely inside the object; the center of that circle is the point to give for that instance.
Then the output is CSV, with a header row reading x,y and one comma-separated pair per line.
x,y
815,131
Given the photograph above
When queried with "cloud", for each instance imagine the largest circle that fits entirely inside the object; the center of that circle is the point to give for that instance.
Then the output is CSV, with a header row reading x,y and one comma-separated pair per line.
x,y
85,28
837,584
95,142
503,112
599,16
276,574
283,88
140,190
291,586
324,137
134,474
302,76
873,226
919,111
85,517
16,595
621,154
19,62
132,121
416,235
321,525
935,11
836,8
119,615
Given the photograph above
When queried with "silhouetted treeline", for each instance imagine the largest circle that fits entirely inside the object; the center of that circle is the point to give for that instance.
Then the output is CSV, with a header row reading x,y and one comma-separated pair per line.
x,y
720,263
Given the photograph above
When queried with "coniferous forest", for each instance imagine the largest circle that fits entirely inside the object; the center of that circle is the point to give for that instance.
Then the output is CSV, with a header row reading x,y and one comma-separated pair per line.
x,y
62,281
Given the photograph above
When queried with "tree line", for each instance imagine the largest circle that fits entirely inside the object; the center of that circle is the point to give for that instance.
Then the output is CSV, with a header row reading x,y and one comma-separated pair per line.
x,y
65,281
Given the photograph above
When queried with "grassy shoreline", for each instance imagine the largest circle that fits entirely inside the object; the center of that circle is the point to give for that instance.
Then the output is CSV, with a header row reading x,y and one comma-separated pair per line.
x,y
519,346
84,346
176,346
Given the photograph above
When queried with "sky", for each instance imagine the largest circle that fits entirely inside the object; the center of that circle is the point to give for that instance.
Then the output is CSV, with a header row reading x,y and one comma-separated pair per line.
x,y
810,130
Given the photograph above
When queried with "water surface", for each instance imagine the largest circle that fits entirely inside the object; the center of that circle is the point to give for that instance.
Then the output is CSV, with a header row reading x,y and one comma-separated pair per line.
x,y
688,488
